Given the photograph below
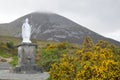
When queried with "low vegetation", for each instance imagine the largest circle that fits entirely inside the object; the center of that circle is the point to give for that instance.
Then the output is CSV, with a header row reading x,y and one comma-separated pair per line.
x,y
8,53
100,61
65,61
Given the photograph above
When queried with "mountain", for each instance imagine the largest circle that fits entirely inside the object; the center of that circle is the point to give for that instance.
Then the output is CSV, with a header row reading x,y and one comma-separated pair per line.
x,y
51,27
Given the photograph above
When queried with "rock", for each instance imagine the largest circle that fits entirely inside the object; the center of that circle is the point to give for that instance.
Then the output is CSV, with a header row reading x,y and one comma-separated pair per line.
x,y
5,66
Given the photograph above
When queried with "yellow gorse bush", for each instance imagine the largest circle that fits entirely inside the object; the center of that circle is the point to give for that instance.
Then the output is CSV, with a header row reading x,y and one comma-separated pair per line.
x,y
96,63
60,46
51,47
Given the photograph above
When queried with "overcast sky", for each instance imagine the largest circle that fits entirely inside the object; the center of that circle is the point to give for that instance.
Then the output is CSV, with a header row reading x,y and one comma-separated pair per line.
x,y
101,16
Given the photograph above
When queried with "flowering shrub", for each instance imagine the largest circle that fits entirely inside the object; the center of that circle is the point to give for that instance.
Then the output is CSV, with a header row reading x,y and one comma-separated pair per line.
x,y
51,54
96,63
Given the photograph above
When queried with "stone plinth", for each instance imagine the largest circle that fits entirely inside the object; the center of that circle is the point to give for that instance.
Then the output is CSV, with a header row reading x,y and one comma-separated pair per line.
x,y
26,59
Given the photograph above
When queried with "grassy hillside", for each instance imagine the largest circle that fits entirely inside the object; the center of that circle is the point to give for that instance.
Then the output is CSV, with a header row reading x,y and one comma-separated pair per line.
x,y
9,53
66,61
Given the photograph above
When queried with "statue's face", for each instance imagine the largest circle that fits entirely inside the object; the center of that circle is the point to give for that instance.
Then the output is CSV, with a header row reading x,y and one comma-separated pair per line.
x,y
26,20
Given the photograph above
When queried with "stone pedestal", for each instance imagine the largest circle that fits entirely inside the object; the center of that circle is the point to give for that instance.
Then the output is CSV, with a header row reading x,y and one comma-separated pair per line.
x,y
26,59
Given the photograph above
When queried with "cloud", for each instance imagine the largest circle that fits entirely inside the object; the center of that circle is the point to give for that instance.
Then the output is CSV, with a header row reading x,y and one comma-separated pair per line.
x,y
115,35
98,15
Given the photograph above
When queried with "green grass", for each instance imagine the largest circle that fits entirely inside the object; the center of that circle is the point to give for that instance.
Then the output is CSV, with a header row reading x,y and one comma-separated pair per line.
x,y
43,58
14,62
5,55
9,39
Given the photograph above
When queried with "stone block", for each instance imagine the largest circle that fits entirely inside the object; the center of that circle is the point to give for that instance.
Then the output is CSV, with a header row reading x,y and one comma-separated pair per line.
x,y
26,59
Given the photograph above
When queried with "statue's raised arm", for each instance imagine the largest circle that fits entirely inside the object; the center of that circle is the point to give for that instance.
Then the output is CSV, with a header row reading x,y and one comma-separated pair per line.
x,y
26,32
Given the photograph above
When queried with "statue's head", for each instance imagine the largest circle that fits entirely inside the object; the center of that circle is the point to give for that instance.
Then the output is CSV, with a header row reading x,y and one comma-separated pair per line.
x,y
26,20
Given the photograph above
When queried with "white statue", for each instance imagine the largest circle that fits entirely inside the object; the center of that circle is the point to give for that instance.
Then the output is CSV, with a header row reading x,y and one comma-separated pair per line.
x,y
26,32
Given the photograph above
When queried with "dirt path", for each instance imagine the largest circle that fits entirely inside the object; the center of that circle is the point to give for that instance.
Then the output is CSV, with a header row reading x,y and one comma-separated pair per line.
x,y
4,74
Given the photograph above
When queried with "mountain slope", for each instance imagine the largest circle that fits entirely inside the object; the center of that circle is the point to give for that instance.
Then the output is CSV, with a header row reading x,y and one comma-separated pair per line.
x,y
50,26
